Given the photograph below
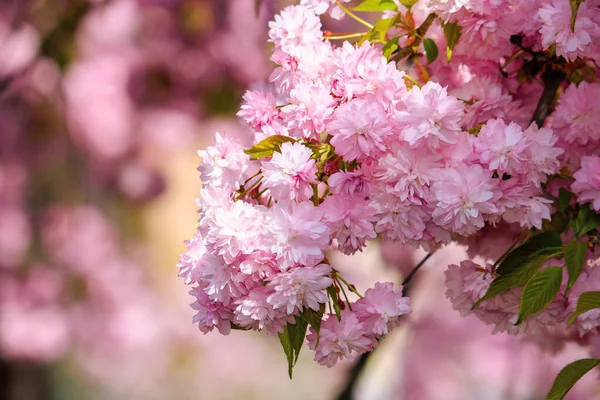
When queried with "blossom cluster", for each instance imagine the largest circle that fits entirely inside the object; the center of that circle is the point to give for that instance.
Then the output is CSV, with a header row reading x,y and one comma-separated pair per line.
x,y
345,145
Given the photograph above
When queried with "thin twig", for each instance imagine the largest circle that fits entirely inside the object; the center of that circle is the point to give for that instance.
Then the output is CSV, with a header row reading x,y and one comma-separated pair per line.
x,y
347,392
419,34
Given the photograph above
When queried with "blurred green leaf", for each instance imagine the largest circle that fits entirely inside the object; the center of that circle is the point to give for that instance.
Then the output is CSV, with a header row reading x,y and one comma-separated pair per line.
x,y
587,301
585,221
376,5
452,32
569,376
431,50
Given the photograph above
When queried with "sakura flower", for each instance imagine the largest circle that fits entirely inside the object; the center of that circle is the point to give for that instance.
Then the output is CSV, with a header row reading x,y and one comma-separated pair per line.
x,y
381,307
359,129
300,287
530,213
429,115
323,6
299,234
542,153
464,195
295,26
555,16
350,183
587,182
225,164
290,172
577,115
408,173
466,284
210,314
501,147
259,110
310,109
398,220
253,311
188,262
234,229
338,340
350,220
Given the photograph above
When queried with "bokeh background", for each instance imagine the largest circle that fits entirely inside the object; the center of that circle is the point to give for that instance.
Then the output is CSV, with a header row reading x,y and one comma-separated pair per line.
x,y
103,105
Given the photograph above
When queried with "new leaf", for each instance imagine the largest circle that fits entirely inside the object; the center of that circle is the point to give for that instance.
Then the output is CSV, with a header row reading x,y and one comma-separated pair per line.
x,y
267,147
376,5
292,340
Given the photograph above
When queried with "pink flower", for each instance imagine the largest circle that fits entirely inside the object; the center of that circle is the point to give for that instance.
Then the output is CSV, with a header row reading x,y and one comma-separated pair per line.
x,y
587,182
530,212
542,154
502,148
259,110
350,220
464,195
398,220
322,6
364,71
381,307
408,173
577,115
295,26
555,16
210,314
299,234
350,183
234,229
225,164
359,129
188,262
428,115
310,110
300,287
290,172
254,311
466,284
338,340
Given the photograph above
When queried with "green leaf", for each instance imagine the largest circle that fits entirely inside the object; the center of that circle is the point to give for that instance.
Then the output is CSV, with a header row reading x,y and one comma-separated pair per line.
x,y
585,221
564,198
452,32
539,291
569,376
376,5
292,340
335,300
587,301
575,253
390,47
267,147
408,3
522,263
574,8
545,242
514,278
377,34
431,50
313,318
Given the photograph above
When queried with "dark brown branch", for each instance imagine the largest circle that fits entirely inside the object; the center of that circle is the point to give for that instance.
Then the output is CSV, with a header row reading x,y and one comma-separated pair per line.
x,y
552,79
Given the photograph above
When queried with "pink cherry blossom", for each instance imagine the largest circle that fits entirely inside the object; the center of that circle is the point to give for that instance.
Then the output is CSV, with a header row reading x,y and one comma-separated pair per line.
x,y
381,307
300,287
587,182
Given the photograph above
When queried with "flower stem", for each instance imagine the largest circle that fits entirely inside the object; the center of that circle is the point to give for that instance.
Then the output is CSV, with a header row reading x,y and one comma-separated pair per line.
x,y
354,16
348,36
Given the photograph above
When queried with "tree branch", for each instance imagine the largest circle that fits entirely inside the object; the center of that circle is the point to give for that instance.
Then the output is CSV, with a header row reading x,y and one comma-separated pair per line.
x,y
420,32
347,392
552,79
